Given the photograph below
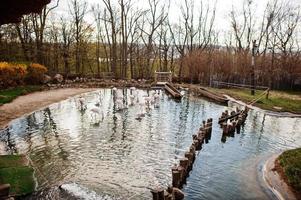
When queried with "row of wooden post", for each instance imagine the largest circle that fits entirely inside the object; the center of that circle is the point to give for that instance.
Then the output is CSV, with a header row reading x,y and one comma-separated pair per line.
x,y
236,118
181,172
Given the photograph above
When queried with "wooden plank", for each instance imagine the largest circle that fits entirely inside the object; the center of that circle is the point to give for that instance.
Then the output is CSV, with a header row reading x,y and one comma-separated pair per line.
x,y
173,91
229,117
213,96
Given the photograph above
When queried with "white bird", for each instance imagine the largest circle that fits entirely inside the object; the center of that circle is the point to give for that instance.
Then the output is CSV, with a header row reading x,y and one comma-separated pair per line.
x,y
147,101
132,99
141,110
152,101
82,103
156,99
141,105
156,96
96,112
119,103
81,100
137,95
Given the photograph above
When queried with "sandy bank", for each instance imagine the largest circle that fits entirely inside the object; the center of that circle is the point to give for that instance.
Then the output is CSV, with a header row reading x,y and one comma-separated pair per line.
x,y
31,102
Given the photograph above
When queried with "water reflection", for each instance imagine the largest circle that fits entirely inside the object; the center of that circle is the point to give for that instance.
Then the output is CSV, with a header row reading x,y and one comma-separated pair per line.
x,y
124,157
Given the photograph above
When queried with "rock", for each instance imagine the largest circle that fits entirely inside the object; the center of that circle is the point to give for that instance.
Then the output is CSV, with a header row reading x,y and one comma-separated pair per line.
x,y
277,108
58,78
47,79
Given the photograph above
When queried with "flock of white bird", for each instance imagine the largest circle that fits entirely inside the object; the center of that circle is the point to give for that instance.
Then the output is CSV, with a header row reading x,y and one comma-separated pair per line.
x,y
145,103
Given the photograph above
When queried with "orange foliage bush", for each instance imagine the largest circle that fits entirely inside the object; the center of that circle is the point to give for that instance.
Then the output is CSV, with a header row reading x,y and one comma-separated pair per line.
x,y
35,73
11,74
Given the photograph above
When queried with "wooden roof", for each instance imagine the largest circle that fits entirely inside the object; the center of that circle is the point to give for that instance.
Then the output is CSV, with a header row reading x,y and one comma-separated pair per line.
x,y
11,11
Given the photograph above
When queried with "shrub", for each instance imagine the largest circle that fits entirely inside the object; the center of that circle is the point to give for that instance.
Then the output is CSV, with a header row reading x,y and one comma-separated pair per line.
x,y
11,74
35,73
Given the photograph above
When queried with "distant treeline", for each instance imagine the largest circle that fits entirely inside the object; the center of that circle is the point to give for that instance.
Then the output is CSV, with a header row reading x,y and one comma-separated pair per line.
x,y
130,42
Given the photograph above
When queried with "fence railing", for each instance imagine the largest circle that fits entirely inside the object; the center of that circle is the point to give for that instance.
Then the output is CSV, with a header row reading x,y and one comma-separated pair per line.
x,y
265,93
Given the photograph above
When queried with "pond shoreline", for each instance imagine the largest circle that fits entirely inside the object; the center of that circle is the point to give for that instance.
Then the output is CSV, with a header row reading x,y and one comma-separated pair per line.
x,y
196,89
57,92
274,181
34,101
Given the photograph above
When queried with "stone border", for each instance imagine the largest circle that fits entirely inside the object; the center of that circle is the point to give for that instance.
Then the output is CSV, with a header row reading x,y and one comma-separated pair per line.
x,y
274,182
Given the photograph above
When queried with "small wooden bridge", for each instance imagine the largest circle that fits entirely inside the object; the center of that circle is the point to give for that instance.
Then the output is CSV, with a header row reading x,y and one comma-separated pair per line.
x,y
165,79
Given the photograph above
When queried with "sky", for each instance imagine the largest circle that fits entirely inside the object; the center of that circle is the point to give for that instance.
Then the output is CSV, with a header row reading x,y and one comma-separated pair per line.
x,y
223,8
222,15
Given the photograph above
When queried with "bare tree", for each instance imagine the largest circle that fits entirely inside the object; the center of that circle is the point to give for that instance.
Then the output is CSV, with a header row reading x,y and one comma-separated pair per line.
x,y
39,22
67,37
24,30
155,19
78,11
111,19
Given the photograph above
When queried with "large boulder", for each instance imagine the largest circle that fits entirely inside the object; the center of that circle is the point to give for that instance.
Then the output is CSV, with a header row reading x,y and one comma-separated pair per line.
x,y
47,79
58,78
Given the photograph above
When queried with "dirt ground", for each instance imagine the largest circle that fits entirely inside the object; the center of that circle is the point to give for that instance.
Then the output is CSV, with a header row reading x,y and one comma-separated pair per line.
x,y
31,102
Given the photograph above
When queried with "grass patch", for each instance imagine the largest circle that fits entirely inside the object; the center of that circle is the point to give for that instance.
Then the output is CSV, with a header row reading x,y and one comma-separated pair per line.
x,y
12,161
20,179
13,170
287,101
290,161
9,95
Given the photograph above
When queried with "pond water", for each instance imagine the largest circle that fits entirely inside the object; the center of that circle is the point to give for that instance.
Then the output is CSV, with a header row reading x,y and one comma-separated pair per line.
x,y
119,157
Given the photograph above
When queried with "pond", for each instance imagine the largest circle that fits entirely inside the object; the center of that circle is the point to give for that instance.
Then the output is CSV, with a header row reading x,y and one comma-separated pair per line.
x,y
117,156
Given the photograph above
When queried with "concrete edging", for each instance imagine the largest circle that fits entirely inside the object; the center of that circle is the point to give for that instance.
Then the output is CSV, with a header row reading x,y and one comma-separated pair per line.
x,y
274,182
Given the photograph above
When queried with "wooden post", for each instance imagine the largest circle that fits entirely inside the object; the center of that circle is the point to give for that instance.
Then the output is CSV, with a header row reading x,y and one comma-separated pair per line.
x,y
181,170
167,196
225,128
161,194
184,163
254,51
176,178
197,144
194,137
267,95
178,194
155,194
